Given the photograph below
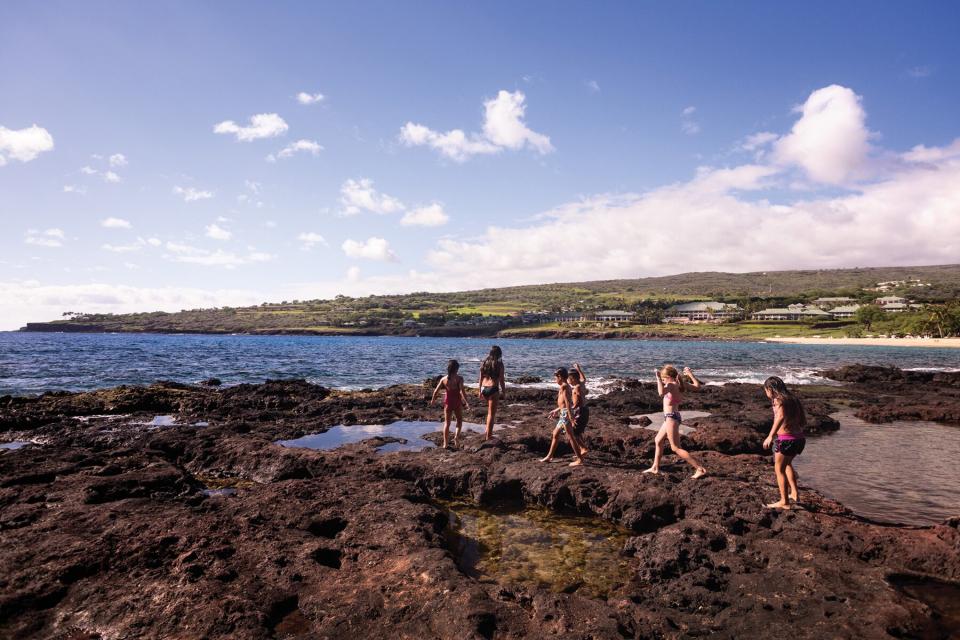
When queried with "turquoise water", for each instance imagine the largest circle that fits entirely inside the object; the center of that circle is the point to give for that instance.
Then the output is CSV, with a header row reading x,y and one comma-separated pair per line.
x,y
37,362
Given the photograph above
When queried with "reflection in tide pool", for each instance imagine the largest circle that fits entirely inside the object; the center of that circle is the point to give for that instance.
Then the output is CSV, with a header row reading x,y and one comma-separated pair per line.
x,y
412,431
16,444
536,547
900,472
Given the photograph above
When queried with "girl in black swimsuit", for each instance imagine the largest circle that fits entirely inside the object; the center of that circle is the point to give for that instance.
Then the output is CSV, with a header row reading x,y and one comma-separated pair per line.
x,y
493,386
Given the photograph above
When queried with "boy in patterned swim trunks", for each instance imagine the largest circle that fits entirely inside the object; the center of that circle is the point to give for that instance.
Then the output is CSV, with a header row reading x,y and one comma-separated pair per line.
x,y
564,415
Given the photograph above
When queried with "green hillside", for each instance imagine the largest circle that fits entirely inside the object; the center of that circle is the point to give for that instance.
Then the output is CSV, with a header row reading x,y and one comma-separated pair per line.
x,y
489,310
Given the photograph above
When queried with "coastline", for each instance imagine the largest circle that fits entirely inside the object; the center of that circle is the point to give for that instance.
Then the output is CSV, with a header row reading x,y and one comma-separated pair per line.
x,y
939,343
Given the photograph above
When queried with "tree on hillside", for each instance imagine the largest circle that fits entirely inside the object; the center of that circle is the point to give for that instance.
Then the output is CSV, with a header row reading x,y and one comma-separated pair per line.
x,y
869,314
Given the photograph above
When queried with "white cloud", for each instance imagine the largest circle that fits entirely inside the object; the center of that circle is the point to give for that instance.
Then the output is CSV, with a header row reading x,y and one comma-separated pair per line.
x,y
115,223
217,232
431,215
88,170
262,125
757,141
110,176
72,188
687,124
593,86
309,98
306,146
189,194
195,255
50,238
830,140
24,144
154,242
31,301
118,160
123,248
373,249
359,195
503,128
310,239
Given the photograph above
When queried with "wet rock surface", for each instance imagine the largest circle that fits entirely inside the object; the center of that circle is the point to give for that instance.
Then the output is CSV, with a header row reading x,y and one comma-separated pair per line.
x,y
106,530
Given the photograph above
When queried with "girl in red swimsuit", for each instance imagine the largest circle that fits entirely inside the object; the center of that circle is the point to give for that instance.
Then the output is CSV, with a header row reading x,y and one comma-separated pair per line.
x,y
454,400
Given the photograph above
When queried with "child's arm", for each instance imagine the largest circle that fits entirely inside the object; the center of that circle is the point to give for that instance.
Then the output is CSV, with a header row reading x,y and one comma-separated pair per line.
x,y
463,393
436,391
694,383
656,372
777,423
583,376
503,382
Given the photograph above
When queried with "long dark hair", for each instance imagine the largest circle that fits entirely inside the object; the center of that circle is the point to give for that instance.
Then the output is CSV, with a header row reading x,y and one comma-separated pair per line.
x,y
493,364
793,413
452,367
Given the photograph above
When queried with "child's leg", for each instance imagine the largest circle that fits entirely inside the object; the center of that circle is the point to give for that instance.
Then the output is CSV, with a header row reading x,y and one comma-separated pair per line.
x,y
791,474
446,426
573,445
459,413
491,414
673,437
657,450
778,465
553,445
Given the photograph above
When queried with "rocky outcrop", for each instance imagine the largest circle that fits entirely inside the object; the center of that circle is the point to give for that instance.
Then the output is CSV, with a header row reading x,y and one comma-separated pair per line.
x,y
106,530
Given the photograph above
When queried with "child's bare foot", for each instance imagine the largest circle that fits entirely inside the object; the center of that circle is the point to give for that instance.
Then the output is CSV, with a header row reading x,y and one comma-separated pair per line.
x,y
547,459
794,497
653,471
779,505
584,451
699,473
575,463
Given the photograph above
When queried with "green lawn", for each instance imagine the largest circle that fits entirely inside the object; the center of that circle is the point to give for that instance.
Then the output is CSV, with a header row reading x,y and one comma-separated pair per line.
x,y
745,331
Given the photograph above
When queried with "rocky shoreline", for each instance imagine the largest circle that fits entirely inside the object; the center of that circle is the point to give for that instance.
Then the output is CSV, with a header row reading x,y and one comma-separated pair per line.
x,y
108,530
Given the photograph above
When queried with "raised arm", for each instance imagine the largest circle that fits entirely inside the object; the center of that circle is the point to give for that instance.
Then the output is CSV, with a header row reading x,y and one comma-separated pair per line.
x,y
694,383
656,372
583,376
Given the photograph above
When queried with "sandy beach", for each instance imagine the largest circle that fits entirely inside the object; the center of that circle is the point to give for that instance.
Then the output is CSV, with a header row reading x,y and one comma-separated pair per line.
x,y
941,343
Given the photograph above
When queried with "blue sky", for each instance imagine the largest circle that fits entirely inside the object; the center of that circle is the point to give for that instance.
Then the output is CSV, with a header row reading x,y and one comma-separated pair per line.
x,y
640,139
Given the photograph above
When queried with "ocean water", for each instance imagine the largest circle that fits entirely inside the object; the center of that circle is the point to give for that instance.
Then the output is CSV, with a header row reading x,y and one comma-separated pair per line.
x,y
37,362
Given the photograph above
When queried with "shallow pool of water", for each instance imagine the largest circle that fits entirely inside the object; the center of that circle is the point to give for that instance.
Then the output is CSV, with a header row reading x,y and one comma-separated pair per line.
x,y
412,431
536,547
16,444
900,472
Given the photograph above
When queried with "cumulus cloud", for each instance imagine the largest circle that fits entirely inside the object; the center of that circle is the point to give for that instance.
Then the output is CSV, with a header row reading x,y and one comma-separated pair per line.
x,y
309,98
359,195
189,194
503,128
593,86
373,249
51,238
217,232
72,188
311,147
115,223
118,160
431,215
24,144
123,248
262,125
830,141
110,176
309,239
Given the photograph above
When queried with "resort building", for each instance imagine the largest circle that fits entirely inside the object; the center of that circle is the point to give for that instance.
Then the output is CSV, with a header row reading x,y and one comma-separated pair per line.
x,y
794,313
830,303
614,316
847,311
710,311
571,317
885,300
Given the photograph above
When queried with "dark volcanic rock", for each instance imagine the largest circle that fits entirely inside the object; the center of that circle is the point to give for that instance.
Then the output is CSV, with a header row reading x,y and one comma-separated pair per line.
x,y
105,529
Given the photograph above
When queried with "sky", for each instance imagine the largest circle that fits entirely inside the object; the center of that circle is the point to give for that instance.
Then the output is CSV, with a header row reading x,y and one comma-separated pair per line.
x,y
194,154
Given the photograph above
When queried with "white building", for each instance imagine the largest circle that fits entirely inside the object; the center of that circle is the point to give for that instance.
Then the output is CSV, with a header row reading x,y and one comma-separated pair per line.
x,y
614,316
709,311
830,303
885,300
846,311
794,312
